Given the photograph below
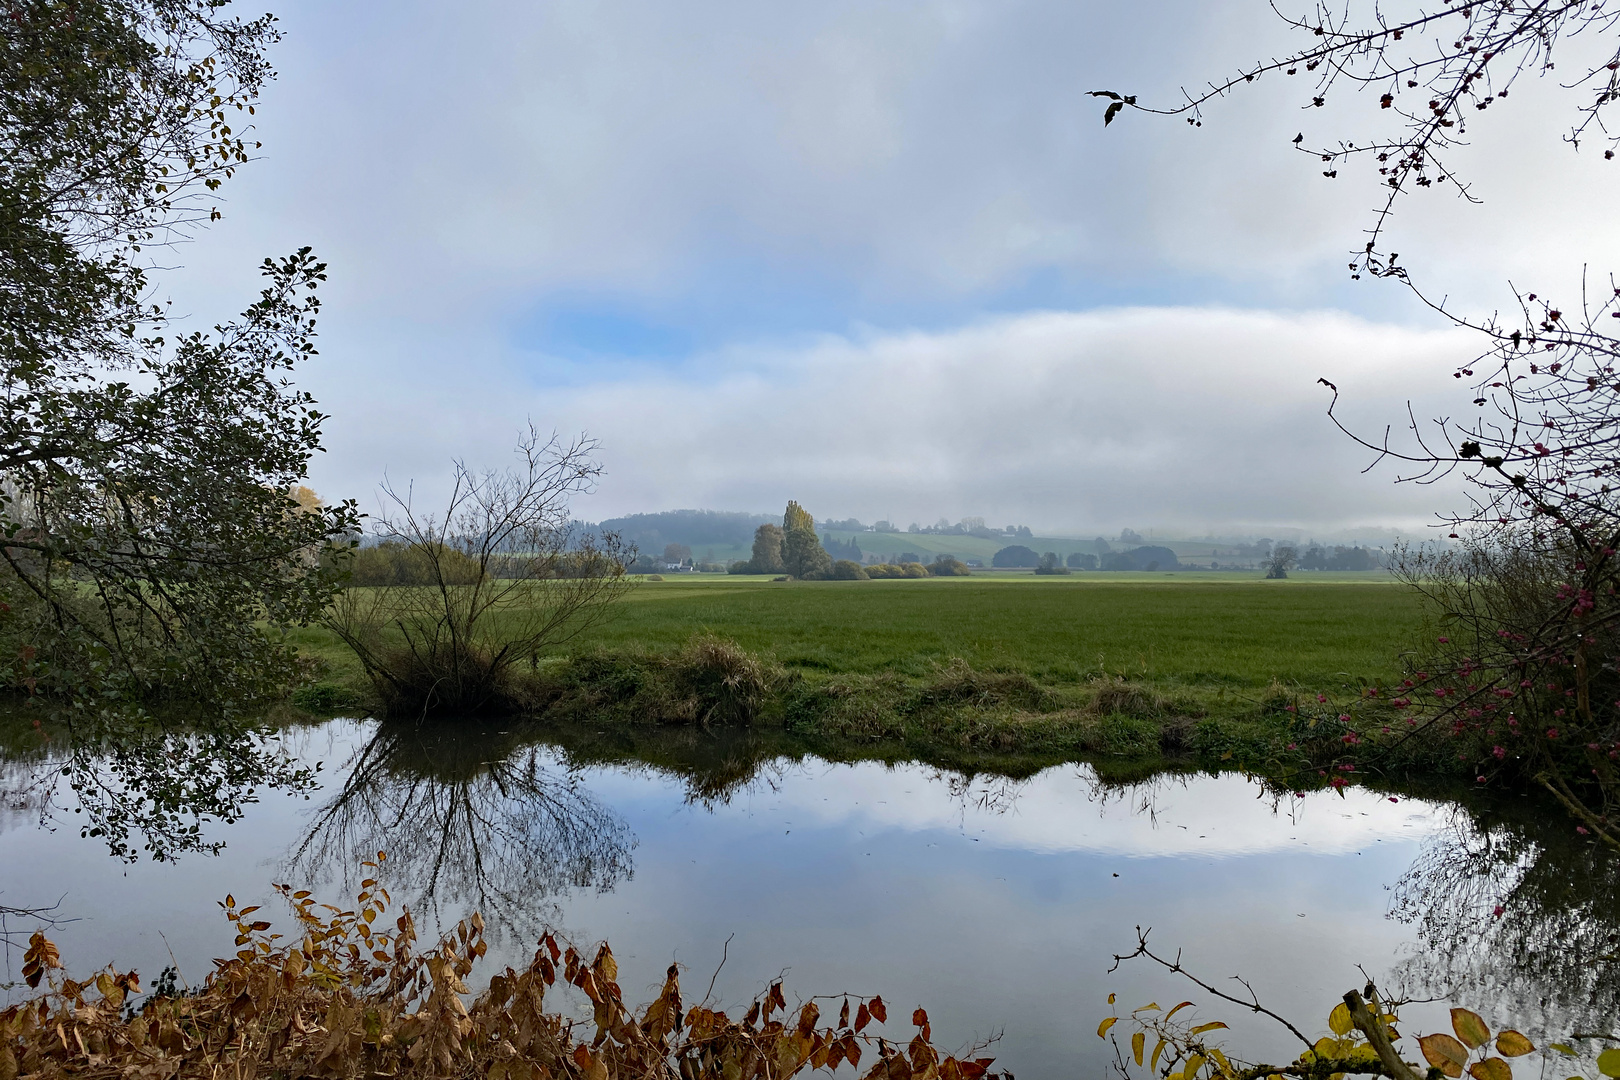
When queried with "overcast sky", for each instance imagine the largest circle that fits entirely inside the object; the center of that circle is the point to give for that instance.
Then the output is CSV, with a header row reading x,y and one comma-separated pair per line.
x,y
880,258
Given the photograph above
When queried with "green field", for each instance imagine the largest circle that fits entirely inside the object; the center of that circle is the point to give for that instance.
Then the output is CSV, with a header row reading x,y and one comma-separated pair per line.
x,y
1191,629
1005,671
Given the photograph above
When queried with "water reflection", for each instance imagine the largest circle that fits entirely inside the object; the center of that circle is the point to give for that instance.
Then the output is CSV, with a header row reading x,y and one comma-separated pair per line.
x,y
1516,911
513,820
471,816
141,784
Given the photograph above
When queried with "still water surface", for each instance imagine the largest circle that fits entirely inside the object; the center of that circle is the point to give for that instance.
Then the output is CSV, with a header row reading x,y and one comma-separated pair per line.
x,y
997,904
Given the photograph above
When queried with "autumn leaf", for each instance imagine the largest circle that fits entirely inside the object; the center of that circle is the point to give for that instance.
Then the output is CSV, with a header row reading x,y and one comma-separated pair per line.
x,y
1211,1026
1444,1053
1339,1019
1138,1041
1492,1068
1102,1028
1470,1028
1511,1044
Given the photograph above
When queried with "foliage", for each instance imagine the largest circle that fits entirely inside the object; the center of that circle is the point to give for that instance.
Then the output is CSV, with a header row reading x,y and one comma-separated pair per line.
x,y
894,570
948,566
143,483
797,517
353,997
1079,560
1050,564
847,570
767,558
508,583
150,532
1362,1040
802,553
1538,450
1522,677
393,562
1016,555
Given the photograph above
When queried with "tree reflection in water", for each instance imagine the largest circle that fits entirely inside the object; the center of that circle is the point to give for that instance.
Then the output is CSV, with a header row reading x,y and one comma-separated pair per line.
x,y
471,817
1518,913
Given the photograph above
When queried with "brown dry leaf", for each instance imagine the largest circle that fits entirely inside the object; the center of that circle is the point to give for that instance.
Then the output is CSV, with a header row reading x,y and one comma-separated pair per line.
x,y
1444,1053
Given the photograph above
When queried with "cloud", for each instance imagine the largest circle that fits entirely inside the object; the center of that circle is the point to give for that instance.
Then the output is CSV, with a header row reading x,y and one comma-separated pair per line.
x,y
1175,417
845,252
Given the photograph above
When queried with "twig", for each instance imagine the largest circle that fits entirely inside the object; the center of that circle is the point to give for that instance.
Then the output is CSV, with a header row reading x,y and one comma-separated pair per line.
x,y
1175,965
724,950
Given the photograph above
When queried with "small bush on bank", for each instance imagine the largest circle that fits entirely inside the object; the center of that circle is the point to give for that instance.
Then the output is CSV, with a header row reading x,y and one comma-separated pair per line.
x,y
848,570
948,566
709,681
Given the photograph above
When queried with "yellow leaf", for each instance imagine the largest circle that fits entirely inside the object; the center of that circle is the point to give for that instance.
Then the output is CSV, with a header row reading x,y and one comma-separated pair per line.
x,y
1470,1028
1102,1028
1157,1050
1609,1062
1226,1066
1177,1009
1492,1068
1511,1044
1111,998
1152,1006
1211,1026
1194,1063
1444,1053
1339,1019
1138,1041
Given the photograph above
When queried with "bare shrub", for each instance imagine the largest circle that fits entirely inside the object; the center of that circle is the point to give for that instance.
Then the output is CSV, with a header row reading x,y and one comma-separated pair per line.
x,y
507,579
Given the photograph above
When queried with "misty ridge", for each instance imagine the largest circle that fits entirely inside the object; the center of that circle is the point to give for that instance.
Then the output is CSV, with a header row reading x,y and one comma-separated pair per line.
x,y
713,540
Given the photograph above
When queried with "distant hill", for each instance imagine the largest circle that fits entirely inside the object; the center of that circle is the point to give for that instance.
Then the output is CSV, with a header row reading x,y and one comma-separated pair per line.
x,y
697,529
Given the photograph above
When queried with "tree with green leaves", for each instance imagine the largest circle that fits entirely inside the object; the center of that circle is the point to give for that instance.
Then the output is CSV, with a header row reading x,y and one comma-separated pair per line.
x,y
767,551
802,553
154,542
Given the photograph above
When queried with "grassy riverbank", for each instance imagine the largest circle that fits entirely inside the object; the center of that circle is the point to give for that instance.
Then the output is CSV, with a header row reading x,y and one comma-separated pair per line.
x,y
976,672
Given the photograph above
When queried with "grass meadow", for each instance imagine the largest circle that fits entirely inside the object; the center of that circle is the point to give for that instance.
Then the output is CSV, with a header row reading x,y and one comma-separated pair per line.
x,y
1211,631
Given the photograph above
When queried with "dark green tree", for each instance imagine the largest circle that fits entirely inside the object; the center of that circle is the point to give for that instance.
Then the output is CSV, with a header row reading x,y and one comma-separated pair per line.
x,y
152,547
802,553
767,551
